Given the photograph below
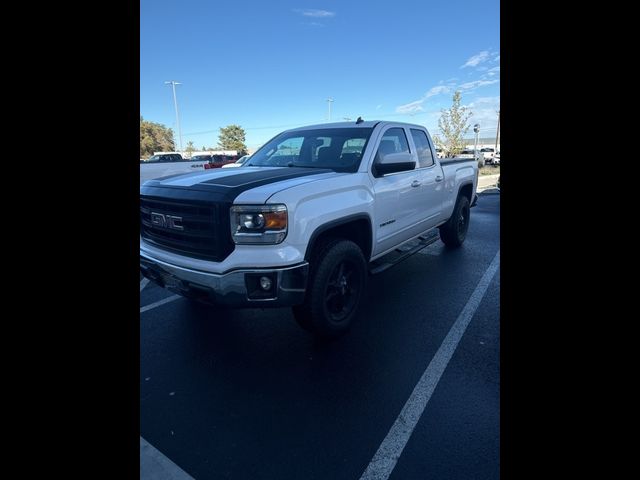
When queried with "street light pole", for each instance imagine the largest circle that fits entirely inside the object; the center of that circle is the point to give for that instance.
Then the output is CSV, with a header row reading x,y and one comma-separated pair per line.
x,y
173,84
476,129
330,101
497,132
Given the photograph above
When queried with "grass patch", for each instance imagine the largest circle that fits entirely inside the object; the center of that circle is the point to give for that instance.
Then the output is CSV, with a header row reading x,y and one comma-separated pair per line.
x,y
490,170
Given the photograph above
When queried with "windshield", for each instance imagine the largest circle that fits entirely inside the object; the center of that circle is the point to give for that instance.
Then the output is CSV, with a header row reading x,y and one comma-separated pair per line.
x,y
339,149
200,157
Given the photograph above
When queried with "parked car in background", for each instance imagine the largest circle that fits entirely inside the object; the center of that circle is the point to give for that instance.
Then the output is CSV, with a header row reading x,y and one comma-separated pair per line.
x,y
466,154
238,163
165,158
164,164
439,153
488,153
218,161
201,158
472,154
496,159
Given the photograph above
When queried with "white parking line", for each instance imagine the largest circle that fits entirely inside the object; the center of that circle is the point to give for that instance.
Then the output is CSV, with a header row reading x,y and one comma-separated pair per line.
x,y
385,459
154,465
158,303
143,283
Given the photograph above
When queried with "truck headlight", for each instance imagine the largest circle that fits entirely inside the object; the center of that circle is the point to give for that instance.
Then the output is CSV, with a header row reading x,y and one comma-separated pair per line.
x,y
258,224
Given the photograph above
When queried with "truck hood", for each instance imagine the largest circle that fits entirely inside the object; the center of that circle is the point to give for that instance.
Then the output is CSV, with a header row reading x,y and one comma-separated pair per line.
x,y
252,184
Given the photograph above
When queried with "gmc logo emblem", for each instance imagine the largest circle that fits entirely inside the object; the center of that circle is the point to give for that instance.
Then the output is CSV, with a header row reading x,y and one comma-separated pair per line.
x,y
166,221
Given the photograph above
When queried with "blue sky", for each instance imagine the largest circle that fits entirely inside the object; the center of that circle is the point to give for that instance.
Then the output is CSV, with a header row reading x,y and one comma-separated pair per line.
x,y
269,66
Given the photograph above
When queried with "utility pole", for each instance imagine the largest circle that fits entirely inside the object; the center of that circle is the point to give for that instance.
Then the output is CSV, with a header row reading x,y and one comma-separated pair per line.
x,y
330,101
497,132
173,84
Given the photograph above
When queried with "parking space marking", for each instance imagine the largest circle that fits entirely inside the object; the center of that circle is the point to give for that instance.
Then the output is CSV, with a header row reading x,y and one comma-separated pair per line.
x,y
385,459
143,283
154,465
158,303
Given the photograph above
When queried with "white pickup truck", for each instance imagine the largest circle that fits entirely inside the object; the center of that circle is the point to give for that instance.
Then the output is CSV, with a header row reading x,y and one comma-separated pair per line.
x,y
162,165
303,224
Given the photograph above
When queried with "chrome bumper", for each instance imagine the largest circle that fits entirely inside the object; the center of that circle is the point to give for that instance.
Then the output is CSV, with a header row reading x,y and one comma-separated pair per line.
x,y
237,288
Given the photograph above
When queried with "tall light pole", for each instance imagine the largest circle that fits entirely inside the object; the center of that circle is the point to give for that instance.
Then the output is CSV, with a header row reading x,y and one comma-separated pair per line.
x,y
330,101
476,129
497,132
173,84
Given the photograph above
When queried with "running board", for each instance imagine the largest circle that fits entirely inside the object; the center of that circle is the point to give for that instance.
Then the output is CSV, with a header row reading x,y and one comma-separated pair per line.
x,y
403,252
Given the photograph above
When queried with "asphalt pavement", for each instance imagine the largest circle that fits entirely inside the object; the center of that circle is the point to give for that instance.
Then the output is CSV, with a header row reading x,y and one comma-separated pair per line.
x,y
248,394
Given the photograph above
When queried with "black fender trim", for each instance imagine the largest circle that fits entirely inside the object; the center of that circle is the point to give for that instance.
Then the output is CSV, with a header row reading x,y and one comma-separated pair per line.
x,y
336,223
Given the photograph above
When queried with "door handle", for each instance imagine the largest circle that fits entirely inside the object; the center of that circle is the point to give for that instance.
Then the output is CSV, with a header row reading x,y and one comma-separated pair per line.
x,y
438,178
415,183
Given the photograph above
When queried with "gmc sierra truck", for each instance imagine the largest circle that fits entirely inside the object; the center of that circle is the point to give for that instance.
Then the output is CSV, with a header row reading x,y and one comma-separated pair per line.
x,y
311,215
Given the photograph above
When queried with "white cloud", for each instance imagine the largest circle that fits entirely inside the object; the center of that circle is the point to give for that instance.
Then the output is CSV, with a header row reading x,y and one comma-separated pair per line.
x,y
312,12
476,84
437,91
484,111
416,106
477,59
496,58
378,107
413,107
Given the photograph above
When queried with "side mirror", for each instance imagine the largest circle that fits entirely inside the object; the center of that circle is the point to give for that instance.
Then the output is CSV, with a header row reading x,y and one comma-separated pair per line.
x,y
392,163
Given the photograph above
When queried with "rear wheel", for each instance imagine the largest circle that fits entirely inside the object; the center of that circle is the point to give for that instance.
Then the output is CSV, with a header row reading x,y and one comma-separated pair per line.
x,y
337,280
454,231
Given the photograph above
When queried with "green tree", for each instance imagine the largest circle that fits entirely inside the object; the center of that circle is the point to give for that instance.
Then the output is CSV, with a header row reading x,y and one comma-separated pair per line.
x,y
232,137
154,137
190,148
453,127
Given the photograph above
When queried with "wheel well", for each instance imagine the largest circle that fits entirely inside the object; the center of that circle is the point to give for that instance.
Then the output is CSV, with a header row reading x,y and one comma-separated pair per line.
x,y
466,191
357,230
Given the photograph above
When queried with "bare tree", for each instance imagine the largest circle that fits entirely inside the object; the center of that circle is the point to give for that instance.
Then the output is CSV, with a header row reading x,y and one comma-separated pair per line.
x,y
453,127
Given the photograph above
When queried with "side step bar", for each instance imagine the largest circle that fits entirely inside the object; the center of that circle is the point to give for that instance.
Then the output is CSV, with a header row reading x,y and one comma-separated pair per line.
x,y
403,252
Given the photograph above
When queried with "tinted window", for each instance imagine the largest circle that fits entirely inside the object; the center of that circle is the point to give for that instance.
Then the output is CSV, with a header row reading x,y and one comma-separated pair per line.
x,y
393,141
425,157
339,149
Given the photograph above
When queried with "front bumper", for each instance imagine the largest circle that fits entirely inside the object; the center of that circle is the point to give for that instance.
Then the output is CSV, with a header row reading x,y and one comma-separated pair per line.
x,y
238,288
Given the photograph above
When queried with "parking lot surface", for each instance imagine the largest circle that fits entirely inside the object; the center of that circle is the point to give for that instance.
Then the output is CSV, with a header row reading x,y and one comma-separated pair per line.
x,y
248,394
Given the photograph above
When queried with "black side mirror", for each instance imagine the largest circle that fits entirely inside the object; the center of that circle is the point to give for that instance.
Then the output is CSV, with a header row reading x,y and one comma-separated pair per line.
x,y
393,163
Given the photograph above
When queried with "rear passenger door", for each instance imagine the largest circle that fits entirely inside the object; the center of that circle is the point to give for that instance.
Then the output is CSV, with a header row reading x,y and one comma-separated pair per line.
x,y
431,179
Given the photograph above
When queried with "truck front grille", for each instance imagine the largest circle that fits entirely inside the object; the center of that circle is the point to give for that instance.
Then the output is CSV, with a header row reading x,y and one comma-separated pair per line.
x,y
205,232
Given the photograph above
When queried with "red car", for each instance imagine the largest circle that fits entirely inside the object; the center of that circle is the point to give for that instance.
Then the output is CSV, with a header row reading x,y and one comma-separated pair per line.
x,y
218,161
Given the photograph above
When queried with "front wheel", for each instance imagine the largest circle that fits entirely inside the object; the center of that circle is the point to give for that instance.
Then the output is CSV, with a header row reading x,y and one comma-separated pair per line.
x,y
454,231
337,281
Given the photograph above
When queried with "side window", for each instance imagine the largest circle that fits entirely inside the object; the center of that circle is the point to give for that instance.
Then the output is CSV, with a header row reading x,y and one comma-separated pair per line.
x,y
393,141
425,155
